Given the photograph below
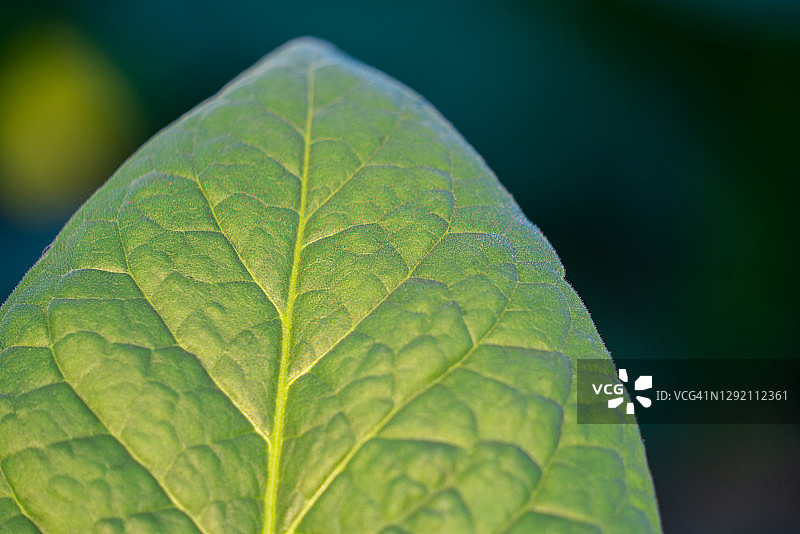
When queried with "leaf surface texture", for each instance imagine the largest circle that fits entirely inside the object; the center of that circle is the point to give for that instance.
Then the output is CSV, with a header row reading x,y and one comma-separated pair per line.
x,y
306,306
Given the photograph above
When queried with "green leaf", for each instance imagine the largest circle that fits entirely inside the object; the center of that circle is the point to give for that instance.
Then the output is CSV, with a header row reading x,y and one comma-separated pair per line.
x,y
307,306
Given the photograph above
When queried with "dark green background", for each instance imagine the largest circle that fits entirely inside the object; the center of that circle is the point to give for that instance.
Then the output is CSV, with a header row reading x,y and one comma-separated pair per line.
x,y
656,143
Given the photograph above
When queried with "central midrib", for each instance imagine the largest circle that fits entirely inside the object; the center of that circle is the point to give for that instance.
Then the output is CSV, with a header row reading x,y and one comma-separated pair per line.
x,y
282,391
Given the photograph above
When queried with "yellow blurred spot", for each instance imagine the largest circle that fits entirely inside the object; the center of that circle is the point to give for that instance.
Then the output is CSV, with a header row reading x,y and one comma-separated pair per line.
x,y
67,119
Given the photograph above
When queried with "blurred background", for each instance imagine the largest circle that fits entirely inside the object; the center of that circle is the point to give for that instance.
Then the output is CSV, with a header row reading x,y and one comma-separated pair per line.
x,y
656,143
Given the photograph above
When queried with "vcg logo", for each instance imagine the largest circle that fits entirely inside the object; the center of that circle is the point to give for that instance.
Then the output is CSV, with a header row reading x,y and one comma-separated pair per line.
x,y
642,383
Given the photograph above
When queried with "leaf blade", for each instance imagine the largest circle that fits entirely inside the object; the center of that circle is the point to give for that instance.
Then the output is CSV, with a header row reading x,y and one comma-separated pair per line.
x,y
314,286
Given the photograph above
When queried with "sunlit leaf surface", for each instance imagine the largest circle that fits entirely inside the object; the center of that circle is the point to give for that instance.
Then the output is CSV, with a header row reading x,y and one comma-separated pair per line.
x,y
307,306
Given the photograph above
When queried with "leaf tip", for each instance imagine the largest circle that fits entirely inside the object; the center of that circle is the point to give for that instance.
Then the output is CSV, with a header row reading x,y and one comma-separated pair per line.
x,y
306,44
